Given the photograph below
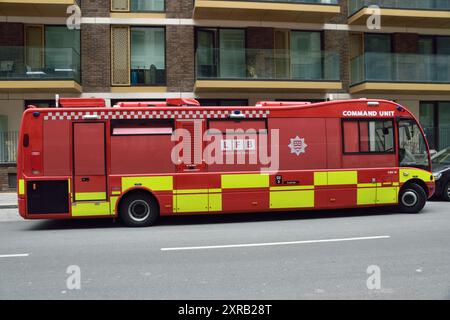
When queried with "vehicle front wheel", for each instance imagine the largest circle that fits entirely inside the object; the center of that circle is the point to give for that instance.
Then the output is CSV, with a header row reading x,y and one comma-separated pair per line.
x,y
446,193
139,210
412,198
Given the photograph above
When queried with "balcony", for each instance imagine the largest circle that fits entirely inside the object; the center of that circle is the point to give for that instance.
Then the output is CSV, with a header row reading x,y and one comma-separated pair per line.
x,y
254,70
401,13
44,8
22,69
407,73
307,11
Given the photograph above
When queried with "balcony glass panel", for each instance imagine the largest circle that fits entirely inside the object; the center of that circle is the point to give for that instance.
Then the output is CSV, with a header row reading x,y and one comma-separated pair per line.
x,y
442,5
59,64
395,67
265,64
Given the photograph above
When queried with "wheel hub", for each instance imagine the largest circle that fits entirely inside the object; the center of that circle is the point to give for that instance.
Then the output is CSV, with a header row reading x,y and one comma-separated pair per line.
x,y
139,210
410,198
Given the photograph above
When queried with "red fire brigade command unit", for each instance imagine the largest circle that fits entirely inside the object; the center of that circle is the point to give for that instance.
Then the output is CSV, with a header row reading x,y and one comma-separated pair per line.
x,y
142,160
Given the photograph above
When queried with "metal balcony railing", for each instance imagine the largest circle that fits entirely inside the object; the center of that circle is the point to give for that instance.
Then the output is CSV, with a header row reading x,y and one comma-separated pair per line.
x,y
256,64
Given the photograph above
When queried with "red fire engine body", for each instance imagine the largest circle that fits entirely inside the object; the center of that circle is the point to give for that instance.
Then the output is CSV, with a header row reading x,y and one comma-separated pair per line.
x,y
88,160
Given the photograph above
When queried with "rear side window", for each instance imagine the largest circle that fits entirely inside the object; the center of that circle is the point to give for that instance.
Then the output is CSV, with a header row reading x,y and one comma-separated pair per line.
x,y
368,136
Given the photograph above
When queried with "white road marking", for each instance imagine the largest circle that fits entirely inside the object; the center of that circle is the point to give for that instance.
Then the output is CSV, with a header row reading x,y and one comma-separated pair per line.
x,y
274,243
14,255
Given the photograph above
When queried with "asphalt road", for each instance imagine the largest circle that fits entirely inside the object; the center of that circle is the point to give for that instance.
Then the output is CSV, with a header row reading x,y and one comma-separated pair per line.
x,y
312,255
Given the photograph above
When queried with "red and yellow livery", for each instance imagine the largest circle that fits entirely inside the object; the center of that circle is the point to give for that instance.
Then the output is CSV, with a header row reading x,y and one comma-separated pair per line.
x,y
88,160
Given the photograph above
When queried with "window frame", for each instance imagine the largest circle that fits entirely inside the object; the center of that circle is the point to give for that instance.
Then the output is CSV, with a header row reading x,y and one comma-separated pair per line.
x,y
359,120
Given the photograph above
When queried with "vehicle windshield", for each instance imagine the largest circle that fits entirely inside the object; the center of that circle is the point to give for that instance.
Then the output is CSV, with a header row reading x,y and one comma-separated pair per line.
x,y
413,150
442,158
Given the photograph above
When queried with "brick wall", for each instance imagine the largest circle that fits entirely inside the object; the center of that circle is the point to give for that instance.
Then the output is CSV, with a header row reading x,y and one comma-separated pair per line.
x,y
180,58
342,18
4,170
96,57
179,8
95,8
338,41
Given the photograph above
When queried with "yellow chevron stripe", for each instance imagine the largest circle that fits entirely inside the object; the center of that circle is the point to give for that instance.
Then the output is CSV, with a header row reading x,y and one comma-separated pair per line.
x,y
87,196
89,209
237,181
163,183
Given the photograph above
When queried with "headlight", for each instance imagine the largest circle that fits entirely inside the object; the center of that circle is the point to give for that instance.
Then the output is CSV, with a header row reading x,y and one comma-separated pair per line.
x,y
437,176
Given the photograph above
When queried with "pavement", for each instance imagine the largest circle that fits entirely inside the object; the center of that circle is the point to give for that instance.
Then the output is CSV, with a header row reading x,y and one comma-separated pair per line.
x,y
345,254
8,200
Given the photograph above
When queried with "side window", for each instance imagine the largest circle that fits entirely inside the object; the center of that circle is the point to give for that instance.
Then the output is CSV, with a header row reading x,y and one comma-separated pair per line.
x,y
141,127
368,136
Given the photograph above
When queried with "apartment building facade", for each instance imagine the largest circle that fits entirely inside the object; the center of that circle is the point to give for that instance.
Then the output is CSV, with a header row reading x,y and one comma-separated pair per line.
x,y
224,52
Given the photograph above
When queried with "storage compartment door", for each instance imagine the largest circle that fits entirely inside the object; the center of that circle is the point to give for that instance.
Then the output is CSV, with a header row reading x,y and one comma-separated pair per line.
x,y
89,162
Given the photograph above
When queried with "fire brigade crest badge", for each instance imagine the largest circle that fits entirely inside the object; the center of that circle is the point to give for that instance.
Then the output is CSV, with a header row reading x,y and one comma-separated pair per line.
x,y
298,145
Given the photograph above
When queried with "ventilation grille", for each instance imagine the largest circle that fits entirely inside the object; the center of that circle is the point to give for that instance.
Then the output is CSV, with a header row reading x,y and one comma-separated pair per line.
x,y
120,5
120,56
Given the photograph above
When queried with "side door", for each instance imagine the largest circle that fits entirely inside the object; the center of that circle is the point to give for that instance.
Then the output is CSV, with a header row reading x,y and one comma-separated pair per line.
x,y
89,162
191,181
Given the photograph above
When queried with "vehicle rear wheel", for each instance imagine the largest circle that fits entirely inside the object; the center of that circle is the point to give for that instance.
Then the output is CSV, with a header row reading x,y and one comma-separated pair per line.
x,y
412,198
446,193
139,210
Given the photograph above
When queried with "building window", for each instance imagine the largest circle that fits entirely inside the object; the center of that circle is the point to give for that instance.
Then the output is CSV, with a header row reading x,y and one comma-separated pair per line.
x,y
138,5
221,53
62,49
48,53
306,55
288,55
138,56
148,57
12,180
368,136
435,120
146,5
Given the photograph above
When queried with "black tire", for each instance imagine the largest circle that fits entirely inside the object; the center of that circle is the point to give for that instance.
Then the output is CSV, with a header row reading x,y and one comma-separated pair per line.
x,y
412,198
446,192
139,209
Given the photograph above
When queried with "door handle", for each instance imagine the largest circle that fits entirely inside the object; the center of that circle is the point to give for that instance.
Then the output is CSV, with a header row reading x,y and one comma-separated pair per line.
x,y
85,179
